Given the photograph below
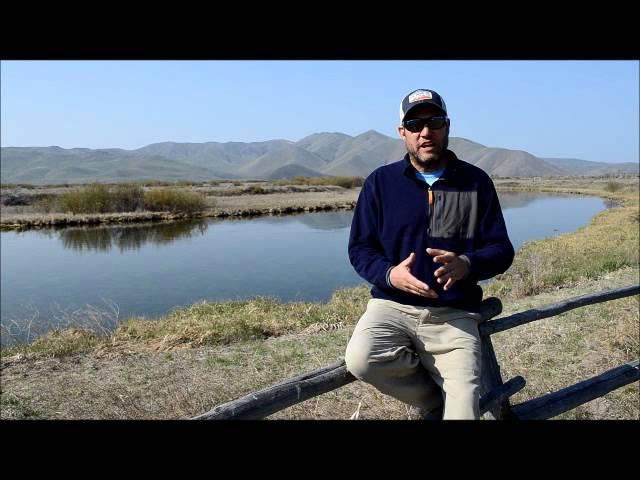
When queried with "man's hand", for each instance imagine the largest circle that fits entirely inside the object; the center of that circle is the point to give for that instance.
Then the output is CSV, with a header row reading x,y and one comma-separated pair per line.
x,y
401,278
454,268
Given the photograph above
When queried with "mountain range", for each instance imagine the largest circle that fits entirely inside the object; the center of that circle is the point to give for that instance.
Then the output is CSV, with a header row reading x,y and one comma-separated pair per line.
x,y
316,155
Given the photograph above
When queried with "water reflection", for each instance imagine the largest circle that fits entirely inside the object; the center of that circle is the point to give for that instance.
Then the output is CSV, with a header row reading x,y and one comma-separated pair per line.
x,y
28,322
608,203
133,237
509,200
336,221
129,237
330,220
516,199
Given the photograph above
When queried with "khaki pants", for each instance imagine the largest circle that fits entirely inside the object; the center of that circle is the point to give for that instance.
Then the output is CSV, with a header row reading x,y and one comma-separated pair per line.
x,y
421,356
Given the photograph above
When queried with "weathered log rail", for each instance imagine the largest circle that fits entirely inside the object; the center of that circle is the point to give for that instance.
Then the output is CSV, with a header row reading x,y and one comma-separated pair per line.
x,y
494,400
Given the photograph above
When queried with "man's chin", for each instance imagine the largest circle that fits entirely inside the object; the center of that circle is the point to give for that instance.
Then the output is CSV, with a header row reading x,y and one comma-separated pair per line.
x,y
430,161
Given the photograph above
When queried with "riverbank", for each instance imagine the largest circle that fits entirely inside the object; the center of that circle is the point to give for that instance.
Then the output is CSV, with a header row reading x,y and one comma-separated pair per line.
x,y
187,362
167,378
221,201
247,199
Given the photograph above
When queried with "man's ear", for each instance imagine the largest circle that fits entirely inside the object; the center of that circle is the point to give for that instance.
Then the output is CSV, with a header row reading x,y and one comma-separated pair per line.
x,y
401,132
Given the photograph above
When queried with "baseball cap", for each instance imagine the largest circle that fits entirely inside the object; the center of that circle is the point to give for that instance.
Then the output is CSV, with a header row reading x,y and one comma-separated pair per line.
x,y
420,97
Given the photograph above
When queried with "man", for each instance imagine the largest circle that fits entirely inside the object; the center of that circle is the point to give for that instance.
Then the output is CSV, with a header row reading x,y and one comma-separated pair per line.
x,y
425,230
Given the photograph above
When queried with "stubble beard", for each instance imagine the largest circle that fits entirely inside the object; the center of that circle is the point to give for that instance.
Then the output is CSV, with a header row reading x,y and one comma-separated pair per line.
x,y
429,161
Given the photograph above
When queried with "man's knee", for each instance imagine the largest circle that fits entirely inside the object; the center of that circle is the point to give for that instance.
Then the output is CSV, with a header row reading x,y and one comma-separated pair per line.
x,y
372,367
364,365
357,362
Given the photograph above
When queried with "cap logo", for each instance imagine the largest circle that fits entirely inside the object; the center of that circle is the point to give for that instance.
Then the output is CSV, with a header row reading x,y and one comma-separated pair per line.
x,y
420,95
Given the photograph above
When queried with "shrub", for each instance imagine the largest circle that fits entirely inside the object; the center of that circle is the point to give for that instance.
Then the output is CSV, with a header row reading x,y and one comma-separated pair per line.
x,y
347,182
97,198
255,190
46,204
127,198
94,198
344,182
173,201
612,186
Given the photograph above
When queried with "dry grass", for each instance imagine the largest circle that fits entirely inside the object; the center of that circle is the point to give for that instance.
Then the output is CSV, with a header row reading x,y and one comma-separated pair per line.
x,y
195,358
344,182
227,322
183,383
147,380
610,242
67,331
556,352
120,198
171,200
205,323
218,202
94,198
585,185
612,186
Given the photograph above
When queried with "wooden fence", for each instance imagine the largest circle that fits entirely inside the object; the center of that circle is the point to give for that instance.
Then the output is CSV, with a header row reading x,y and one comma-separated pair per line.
x,y
494,399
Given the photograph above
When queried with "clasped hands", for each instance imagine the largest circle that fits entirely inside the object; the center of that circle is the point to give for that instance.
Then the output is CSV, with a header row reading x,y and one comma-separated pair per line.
x,y
453,269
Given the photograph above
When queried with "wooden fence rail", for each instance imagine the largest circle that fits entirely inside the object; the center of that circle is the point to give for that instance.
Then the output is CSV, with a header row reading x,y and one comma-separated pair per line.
x,y
491,378
547,311
494,401
282,395
552,404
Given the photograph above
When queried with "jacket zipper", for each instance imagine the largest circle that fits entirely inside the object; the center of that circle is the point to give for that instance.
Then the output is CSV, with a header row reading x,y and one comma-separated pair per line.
x,y
431,208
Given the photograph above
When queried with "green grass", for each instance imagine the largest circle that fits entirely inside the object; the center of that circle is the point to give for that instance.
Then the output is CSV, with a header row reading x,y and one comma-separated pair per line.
x,y
222,323
60,343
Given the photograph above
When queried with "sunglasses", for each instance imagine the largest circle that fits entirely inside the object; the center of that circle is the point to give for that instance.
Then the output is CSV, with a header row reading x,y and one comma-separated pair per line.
x,y
417,124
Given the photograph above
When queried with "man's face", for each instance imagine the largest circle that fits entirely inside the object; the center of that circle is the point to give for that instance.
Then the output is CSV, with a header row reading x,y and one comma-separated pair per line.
x,y
426,146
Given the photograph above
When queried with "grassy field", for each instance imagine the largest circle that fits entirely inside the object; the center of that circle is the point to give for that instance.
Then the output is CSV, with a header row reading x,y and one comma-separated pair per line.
x,y
194,358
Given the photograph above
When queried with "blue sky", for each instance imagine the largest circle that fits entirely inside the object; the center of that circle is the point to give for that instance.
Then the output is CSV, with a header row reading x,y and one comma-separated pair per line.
x,y
570,109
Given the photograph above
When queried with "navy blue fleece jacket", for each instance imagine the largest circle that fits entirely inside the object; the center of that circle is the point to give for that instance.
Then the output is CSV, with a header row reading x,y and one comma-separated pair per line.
x,y
394,217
